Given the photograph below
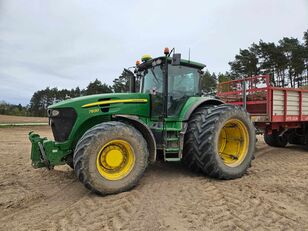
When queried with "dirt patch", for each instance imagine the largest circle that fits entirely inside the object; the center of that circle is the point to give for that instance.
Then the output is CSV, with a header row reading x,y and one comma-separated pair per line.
x,y
271,196
22,119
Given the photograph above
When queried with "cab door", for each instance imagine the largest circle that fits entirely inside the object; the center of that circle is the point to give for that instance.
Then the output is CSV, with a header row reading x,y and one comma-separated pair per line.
x,y
183,82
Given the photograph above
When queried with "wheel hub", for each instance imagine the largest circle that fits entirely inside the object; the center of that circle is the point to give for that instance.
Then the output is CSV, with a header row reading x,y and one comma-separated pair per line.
x,y
115,160
114,157
233,142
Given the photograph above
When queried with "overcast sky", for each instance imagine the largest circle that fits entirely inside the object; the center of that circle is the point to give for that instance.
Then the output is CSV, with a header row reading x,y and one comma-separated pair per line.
x,y
65,44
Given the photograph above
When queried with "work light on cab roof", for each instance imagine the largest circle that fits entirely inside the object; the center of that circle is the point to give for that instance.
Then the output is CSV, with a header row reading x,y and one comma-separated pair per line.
x,y
145,58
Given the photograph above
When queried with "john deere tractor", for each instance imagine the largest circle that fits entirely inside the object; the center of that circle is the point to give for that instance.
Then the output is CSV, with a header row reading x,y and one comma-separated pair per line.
x,y
109,139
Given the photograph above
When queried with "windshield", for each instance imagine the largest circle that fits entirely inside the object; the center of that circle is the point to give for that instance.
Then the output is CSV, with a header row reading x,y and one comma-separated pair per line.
x,y
152,80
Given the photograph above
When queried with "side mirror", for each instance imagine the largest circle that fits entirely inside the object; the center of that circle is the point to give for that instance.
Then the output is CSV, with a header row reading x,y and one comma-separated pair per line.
x,y
176,59
201,72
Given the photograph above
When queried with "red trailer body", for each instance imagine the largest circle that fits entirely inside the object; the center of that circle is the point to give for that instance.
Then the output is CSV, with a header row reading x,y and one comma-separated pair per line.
x,y
271,108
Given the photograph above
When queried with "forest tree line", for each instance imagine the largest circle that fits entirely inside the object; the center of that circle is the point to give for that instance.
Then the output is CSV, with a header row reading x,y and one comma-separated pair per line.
x,y
41,99
286,61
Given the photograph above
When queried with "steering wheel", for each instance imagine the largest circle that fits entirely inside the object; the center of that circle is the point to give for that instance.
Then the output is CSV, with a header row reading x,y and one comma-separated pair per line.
x,y
177,94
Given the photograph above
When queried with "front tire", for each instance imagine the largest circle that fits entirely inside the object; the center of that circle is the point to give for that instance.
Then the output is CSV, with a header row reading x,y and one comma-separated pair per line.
x,y
220,141
110,158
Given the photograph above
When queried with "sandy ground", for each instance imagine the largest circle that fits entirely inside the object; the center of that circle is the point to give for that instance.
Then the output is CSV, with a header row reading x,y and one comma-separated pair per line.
x,y
273,195
21,119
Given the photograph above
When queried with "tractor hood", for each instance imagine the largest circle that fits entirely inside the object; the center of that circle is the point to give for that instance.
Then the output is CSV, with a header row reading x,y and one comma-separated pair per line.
x,y
113,103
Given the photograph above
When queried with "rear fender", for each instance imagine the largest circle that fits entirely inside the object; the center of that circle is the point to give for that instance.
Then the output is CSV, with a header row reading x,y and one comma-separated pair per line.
x,y
200,103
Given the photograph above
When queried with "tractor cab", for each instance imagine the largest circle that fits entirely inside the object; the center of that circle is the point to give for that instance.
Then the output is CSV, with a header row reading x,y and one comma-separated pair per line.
x,y
169,81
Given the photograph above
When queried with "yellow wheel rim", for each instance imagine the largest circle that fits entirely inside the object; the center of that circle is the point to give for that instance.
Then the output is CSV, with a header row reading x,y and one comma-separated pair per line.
x,y
233,142
115,160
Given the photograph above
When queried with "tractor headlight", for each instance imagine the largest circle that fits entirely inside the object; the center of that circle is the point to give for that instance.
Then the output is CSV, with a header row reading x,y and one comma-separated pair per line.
x,y
55,113
52,113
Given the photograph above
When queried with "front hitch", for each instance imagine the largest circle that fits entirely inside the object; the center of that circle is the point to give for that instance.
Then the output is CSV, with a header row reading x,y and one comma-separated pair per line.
x,y
38,154
47,153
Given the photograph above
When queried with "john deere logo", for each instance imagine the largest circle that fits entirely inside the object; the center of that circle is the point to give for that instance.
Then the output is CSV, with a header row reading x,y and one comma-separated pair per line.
x,y
93,110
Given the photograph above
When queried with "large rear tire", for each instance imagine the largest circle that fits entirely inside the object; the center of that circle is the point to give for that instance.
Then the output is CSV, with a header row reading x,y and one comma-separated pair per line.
x,y
220,141
110,158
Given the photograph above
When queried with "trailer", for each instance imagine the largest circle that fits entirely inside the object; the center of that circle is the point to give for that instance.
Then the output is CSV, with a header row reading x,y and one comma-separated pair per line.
x,y
281,113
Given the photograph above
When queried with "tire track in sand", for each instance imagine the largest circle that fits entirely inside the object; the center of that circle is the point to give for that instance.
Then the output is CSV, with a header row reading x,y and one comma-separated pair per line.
x,y
36,214
106,213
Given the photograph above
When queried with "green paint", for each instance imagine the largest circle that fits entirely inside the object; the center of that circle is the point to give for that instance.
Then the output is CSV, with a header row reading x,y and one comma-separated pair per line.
x,y
170,128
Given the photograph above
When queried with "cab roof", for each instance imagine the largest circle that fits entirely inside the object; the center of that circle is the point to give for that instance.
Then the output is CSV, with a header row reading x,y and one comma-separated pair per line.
x,y
184,62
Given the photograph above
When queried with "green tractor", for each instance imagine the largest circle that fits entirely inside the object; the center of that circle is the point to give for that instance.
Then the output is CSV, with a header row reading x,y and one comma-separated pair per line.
x,y
109,139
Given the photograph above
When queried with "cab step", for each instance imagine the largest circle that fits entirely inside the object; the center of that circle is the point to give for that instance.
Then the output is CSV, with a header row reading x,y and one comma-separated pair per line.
x,y
172,138
172,150
173,159
172,154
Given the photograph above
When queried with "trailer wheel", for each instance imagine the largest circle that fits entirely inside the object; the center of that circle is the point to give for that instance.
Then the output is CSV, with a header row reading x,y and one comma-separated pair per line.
x,y
220,141
293,138
110,158
275,140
